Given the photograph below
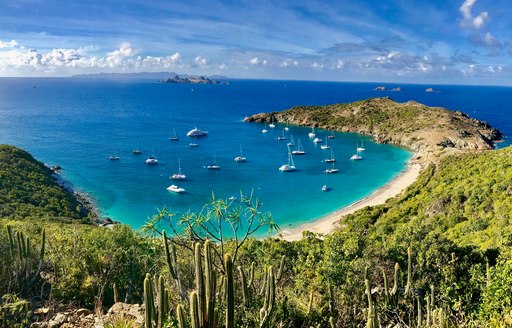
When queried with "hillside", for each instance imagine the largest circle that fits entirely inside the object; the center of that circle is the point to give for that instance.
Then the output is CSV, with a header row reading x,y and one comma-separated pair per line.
x,y
431,132
28,190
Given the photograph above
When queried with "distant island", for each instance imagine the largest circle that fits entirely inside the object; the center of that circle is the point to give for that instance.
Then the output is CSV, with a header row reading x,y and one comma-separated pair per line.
x,y
383,88
191,80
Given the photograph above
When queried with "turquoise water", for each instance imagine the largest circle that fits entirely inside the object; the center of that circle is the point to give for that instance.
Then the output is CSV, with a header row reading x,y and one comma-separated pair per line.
x,y
78,123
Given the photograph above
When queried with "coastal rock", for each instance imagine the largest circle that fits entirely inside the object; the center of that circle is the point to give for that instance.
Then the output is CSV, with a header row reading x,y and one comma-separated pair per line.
x,y
191,80
432,132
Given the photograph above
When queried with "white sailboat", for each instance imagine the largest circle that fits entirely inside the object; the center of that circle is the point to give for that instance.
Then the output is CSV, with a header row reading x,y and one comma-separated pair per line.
x,y
287,128
152,159
174,137
290,166
214,165
137,150
299,150
361,148
272,125
317,141
240,158
292,141
179,175
282,136
356,157
264,129
193,143
331,136
312,133
331,158
332,170
176,189
325,146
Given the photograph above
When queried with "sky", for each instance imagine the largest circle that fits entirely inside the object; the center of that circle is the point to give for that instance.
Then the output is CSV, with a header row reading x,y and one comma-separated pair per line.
x,y
422,41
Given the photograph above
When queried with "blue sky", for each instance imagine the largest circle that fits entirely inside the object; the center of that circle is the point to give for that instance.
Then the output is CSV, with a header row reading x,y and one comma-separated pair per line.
x,y
437,41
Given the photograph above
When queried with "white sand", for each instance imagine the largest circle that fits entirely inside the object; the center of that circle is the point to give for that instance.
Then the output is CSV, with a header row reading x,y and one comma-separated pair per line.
x,y
326,224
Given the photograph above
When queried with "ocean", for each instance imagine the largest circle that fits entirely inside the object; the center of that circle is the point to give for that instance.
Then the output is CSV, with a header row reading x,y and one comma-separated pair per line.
x,y
78,123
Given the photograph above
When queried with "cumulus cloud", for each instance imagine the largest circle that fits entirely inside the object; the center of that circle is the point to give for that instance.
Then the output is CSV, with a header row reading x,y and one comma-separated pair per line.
x,y
257,61
201,61
116,57
8,44
288,63
223,66
468,20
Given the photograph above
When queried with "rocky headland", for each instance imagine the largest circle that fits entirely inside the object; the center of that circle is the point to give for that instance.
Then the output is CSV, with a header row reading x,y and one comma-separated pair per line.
x,y
430,132
191,80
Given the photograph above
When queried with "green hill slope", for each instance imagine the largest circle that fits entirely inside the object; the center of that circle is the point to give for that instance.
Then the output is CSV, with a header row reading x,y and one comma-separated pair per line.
x,y
28,191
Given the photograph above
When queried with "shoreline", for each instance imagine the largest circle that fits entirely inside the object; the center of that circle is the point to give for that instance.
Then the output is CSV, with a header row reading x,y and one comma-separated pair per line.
x,y
329,222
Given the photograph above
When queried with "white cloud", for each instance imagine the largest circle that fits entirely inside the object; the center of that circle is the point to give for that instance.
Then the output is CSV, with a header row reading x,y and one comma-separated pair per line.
x,y
254,61
223,66
317,65
116,57
288,63
201,61
8,44
468,20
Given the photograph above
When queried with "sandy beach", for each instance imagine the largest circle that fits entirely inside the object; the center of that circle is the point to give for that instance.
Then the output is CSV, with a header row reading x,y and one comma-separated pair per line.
x,y
328,223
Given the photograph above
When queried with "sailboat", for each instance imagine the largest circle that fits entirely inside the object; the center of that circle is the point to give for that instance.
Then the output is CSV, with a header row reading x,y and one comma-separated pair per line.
x,y
214,165
356,157
176,189
361,148
331,158
331,136
272,125
264,129
179,175
152,159
292,142
282,136
137,150
193,143
113,158
312,133
287,128
299,150
290,166
240,158
332,170
174,137
325,146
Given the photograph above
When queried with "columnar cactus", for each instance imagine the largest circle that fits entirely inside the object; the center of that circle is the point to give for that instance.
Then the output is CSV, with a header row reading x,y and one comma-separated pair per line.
x,y
270,297
408,287
148,302
243,283
194,310
230,292
281,269
180,313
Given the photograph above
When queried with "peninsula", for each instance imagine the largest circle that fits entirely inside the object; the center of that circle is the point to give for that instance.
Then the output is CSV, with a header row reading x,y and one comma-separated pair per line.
x,y
430,132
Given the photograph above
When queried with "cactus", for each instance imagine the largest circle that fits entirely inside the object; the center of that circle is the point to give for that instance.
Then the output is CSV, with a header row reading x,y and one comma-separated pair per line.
x,y
11,240
386,288
200,285
114,288
230,292
194,310
408,286
420,314
243,283
210,285
281,269
148,302
251,275
180,313
331,322
270,297
162,302
370,322
332,305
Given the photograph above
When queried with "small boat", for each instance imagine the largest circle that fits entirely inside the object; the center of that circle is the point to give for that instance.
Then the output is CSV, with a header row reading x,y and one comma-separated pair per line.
x,y
299,150
324,188
175,188
264,129
137,150
214,165
179,175
290,166
312,133
317,140
282,136
361,148
331,136
195,132
272,125
325,146
113,158
331,158
332,170
193,143
151,160
356,157
240,158
174,137
286,128
292,141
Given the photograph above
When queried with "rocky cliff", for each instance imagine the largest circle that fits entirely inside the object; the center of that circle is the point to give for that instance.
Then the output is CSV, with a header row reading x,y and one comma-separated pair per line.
x,y
431,132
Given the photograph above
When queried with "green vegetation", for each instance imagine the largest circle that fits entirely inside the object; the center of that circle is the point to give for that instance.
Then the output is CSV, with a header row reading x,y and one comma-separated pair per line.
x,y
437,256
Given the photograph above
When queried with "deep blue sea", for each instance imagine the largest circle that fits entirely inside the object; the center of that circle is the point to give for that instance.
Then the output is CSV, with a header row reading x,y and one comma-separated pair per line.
x,y
77,123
